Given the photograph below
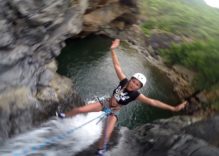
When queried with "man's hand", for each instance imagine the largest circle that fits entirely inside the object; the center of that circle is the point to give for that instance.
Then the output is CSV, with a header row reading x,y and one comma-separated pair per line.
x,y
115,44
181,106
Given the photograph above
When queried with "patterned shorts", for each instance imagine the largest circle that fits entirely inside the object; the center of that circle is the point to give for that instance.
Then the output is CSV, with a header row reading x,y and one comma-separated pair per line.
x,y
105,102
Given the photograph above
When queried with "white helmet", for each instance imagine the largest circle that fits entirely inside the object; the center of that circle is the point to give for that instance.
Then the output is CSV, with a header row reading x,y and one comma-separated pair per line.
x,y
140,77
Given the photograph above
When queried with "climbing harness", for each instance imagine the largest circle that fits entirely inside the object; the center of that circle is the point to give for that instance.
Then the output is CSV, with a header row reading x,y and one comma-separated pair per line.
x,y
108,111
57,138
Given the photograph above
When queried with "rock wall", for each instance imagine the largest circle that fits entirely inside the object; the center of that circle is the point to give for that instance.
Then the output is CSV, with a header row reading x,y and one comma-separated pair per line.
x,y
176,136
32,36
168,137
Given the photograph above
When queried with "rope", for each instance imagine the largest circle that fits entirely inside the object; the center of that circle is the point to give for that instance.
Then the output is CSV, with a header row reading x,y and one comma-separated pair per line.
x,y
56,138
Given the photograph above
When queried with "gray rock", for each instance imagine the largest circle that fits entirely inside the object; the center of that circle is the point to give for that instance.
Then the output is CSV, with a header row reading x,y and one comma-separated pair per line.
x,y
16,105
7,37
162,138
45,77
165,137
45,13
21,74
160,40
9,58
207,130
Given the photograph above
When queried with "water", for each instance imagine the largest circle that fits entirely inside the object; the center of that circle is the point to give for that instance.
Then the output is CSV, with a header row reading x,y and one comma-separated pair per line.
x,y
44,141
88,63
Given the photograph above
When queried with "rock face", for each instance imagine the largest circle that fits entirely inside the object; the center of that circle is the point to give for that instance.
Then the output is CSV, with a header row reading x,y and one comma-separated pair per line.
x,y
160,40
104,15
16,103
207,130
32,36
168,138
176,136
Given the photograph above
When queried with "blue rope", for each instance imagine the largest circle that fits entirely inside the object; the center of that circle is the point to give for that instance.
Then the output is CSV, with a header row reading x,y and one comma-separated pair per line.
x,y
57,138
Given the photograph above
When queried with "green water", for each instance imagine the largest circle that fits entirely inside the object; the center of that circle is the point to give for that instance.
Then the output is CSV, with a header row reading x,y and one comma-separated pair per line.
x,y
88,63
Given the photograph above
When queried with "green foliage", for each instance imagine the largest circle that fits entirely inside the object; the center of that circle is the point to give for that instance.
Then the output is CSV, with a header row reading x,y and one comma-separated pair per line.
x,y
193,20
183,17
202,57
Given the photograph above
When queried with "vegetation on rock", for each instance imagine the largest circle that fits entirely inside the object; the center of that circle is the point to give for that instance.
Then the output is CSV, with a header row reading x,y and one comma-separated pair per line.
x,y
198,25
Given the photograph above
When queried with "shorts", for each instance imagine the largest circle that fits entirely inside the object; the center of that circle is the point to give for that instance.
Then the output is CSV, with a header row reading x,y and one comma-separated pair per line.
x,y
105,102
